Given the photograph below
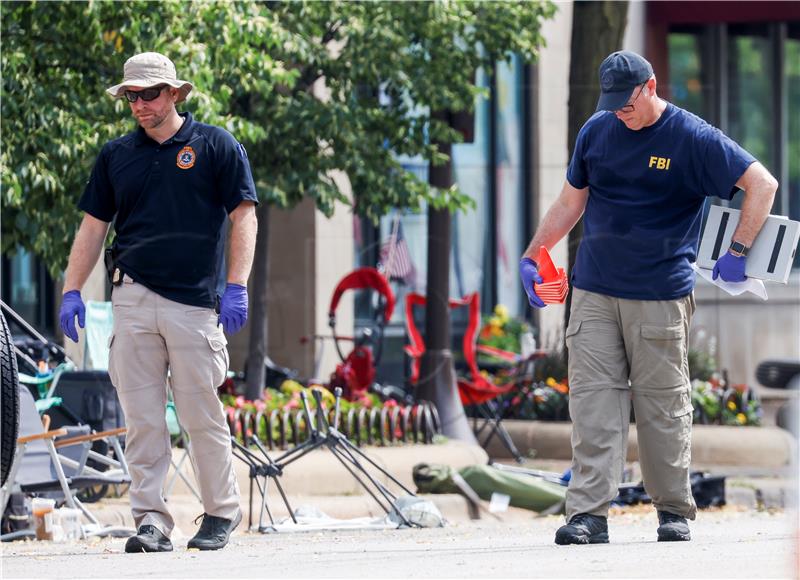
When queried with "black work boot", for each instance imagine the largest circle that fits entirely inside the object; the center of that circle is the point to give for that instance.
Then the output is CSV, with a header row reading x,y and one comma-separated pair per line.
x,y
214,532
148,539
672,528
583,529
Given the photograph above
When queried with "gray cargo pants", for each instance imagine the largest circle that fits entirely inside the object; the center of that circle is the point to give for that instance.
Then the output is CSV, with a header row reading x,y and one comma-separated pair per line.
x,y
621,351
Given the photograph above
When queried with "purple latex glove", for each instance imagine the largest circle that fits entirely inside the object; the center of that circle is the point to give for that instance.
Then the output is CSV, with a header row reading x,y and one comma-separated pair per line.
x,y
72,304
529,273
730,268
233,308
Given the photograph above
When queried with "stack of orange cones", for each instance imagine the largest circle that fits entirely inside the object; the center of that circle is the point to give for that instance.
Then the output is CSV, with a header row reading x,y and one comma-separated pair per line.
x,y
554,286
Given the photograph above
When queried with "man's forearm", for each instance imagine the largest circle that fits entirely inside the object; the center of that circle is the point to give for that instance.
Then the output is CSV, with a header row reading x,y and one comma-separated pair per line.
x,y
243,244
557,222
85,252
759,193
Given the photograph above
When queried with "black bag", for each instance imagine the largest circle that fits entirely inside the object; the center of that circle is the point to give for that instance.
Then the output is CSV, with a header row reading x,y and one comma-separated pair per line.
x,y
707,490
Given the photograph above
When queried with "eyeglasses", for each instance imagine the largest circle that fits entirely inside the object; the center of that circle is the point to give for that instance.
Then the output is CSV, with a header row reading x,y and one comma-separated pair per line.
x,y
150,94
629,108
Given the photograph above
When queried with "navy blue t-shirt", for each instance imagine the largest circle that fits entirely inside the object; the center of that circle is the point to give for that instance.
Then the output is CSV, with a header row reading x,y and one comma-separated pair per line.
x,y
169,203
645,206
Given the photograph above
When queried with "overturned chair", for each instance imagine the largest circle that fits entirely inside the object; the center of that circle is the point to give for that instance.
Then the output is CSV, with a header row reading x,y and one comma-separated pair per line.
x,y
53,463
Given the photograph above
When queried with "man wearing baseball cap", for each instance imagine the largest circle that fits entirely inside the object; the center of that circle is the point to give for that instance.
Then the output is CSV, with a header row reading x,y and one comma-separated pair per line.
x,y
171,188
640,173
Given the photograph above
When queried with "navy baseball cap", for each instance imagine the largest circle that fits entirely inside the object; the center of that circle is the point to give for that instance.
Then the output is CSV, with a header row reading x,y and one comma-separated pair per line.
x,y
620,73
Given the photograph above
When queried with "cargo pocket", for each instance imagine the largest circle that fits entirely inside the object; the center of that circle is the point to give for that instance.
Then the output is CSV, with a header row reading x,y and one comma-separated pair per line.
x,y
683,413
656,332
219,356
572,329
658,363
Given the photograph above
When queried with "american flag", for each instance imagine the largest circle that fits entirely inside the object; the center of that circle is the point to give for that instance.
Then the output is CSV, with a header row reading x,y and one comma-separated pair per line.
x,y
395,259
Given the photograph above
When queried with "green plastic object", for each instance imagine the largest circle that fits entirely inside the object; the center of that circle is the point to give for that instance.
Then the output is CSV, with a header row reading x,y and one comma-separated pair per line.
x,y
434,478
172,420
29,380
525,491
44,405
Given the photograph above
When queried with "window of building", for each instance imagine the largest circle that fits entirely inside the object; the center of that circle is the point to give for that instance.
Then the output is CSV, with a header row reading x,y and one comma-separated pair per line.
x,y
28,289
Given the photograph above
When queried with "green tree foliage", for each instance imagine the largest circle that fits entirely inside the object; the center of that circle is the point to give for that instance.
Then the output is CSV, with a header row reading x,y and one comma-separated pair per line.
x,y
311,88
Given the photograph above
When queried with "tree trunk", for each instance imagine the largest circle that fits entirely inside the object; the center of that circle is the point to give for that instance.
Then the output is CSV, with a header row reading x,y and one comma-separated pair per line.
x,y
255,371
598,29
437,381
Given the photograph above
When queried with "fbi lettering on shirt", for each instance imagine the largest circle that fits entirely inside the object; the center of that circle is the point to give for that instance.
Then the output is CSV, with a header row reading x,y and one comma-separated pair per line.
x,y
659,163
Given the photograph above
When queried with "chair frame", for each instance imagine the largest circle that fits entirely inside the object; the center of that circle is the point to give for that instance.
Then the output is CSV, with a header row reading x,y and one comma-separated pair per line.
x,y
475,390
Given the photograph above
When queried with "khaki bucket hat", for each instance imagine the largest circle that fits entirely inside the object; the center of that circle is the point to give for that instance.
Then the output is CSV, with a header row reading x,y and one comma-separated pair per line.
x,y
149,69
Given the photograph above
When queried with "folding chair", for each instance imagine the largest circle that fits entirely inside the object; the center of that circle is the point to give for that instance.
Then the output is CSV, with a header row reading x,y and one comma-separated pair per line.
x,y
39,469
474,389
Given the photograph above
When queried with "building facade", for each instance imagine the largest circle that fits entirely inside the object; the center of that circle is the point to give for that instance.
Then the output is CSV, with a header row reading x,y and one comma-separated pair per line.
x,y
736,64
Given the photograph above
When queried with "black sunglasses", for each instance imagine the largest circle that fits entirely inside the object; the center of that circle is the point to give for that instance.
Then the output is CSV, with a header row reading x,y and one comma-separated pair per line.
x,y
150,94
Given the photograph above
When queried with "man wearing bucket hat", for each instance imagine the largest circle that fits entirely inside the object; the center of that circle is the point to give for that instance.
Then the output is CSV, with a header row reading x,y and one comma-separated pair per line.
x,y
640,173
170,188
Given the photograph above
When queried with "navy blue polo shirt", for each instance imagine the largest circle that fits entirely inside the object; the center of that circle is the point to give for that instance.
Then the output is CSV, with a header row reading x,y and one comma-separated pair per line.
x,y
646,196
169,203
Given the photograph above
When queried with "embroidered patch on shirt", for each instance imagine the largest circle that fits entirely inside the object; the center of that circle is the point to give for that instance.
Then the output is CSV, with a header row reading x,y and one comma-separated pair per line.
x,y
186,158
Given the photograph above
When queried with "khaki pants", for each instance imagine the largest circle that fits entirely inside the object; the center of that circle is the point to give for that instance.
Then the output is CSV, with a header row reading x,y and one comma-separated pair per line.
x,y
153,335
622,351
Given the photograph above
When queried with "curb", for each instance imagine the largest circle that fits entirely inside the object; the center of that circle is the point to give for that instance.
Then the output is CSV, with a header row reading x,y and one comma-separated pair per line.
x,y
750,447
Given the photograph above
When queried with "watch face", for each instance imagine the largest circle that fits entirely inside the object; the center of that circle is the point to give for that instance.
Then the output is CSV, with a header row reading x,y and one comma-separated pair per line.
x,y
739,248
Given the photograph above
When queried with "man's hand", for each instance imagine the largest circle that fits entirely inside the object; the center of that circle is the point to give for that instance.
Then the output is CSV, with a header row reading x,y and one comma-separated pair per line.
x,y
730,268
233,308
529,274
72,305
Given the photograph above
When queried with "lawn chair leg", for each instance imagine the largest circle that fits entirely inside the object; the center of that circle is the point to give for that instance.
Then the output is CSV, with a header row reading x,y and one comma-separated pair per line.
x,y
494,419
62,478
178,467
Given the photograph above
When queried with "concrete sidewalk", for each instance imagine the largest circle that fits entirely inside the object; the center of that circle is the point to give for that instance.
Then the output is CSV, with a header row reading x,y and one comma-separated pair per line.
x,y
727,543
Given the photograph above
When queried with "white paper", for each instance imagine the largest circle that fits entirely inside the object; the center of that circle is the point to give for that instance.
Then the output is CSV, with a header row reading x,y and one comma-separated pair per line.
x,y
499,502
751,285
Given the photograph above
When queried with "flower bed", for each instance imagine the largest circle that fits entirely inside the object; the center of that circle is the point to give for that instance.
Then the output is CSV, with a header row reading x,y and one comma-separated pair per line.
x,y
278,420
714,402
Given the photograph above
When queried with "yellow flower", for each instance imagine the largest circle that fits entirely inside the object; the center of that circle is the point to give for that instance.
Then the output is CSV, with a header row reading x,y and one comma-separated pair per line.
x,y
550,382
731,405
741,418
495,321
501,312
290,387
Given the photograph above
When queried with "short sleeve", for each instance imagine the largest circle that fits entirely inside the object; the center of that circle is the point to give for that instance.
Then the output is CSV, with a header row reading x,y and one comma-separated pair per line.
x,y
233,174
723,162
577,173
98,197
